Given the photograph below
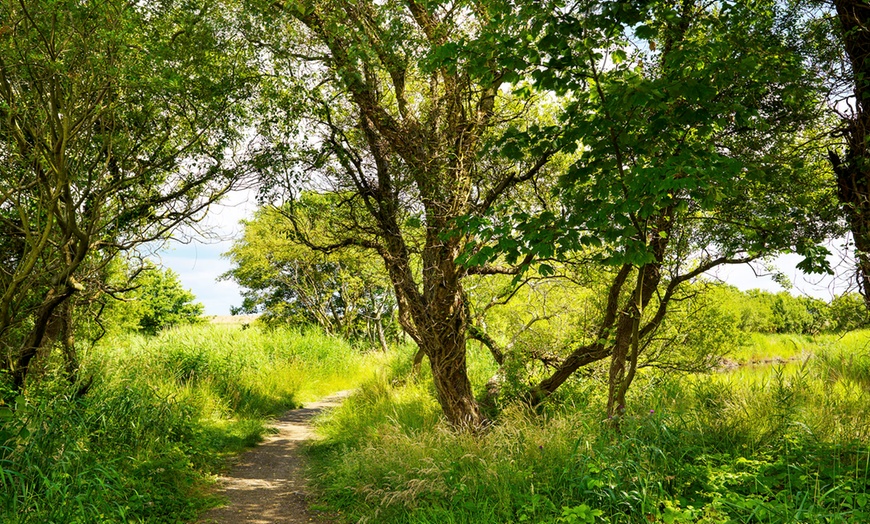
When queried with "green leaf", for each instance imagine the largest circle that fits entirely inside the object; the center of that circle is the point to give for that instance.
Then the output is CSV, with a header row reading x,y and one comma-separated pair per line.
x,y
645,32
618,56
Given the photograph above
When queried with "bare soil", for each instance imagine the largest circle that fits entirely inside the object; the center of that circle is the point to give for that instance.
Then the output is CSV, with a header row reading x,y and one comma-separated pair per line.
x,y
267,485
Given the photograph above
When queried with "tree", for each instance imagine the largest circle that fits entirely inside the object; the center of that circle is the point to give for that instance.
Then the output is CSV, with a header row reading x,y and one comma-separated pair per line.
x,y
346,292
394,107
117,122
691,121
848,312
157,301
852,166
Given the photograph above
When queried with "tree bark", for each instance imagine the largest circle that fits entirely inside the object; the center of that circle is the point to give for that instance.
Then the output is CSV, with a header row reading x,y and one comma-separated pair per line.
x,y
37,339
431,145
452,387
853,171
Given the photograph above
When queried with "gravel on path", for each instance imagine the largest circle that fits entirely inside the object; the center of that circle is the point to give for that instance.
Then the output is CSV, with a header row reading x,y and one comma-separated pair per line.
x,y
267,485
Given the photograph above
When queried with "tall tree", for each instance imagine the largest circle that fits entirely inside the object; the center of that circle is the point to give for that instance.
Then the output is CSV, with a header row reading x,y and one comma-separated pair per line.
x,y
852,166
691,120
346,292
116,125
394,112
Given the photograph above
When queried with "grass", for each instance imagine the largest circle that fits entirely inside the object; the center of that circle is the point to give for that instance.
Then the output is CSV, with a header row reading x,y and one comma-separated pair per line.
x,y
161,416
785,443
767,349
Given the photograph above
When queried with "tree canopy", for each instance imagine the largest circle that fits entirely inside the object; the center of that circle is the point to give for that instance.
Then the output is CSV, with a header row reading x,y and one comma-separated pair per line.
x,y
656,139
346,292
118,122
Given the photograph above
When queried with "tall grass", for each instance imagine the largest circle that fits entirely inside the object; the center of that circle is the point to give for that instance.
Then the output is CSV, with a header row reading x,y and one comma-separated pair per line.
x,y
791,444
162,412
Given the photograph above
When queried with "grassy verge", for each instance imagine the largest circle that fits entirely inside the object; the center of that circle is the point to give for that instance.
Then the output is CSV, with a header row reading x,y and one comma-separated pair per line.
x,y
159,418
787,444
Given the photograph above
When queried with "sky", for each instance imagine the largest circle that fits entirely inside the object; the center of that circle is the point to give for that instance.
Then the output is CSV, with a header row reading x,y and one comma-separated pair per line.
x,y
199,263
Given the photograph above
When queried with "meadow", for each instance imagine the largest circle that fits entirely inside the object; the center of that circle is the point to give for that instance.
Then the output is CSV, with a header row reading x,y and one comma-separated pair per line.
x,y
160,418
779,434
782,437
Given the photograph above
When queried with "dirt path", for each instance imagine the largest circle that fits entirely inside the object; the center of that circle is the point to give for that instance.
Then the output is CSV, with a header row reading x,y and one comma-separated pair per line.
x,y
268,485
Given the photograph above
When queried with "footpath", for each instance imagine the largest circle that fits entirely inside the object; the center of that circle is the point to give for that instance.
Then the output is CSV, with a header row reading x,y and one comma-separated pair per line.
x,y
267,484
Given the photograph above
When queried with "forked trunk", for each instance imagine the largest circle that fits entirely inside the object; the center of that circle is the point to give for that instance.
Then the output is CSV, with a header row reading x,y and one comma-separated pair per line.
x,y
620,368
626,348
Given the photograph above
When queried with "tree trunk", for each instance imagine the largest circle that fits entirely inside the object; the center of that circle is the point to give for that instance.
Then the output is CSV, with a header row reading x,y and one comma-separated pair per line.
x,y
382,337
37,338
853,171
379,323
619,373
68,342
444,321
418,360
452,386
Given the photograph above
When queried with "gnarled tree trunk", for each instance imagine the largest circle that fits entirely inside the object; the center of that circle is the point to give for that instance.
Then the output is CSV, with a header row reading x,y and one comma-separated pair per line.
x,y
406,145
853,170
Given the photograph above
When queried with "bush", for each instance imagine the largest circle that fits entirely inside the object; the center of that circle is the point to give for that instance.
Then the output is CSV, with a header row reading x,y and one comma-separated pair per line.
x,y
765,312
849,312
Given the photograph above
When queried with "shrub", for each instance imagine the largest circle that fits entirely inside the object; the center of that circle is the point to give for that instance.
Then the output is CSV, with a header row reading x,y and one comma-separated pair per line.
x,y
849,312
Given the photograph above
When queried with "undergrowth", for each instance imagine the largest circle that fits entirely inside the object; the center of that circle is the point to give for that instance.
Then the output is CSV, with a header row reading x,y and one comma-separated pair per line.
x,y
787,443
159,418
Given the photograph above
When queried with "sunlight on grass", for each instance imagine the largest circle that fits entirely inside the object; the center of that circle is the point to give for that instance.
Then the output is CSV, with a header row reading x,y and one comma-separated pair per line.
x,y
161,417
786,442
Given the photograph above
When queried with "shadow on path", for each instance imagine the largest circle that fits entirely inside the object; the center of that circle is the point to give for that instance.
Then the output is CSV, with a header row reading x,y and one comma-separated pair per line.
x,y
267,485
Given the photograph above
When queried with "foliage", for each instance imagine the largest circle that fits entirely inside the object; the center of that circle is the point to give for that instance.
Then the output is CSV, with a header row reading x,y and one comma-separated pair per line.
x,y
676,168
776,445
118,122
765,312
162,415
848,312
157,301
345,292
700,329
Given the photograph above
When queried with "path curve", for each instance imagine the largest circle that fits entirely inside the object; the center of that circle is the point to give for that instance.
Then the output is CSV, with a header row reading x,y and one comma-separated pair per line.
x,y
267,485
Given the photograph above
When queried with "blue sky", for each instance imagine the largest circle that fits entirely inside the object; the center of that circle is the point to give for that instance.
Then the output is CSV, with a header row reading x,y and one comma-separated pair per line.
x,y
199,266
199,263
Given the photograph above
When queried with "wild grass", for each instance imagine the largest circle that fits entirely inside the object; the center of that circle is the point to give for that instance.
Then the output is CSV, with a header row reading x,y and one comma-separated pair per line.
x,y
790,443
770,349
162,413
